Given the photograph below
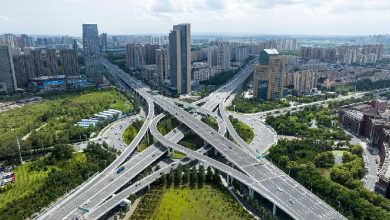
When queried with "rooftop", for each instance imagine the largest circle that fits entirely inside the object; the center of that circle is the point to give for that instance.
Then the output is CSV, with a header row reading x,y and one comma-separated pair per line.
x,y
271,51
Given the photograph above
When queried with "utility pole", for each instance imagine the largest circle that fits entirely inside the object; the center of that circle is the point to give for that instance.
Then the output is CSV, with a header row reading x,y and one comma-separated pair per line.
x,y
20,153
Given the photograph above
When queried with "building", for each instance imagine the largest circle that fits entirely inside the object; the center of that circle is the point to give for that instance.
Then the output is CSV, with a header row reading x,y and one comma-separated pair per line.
x,y
162,64
69,62
240,54
24,69
150,53
135,56
91,50
201,71
219,56
7,72
304,81
360,54
269,75
103,41
51,56
149,72
91,39
37,62
180,58
327,55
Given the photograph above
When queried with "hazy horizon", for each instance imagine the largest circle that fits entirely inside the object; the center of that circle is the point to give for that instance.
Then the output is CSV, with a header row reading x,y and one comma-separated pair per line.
x,y
257,17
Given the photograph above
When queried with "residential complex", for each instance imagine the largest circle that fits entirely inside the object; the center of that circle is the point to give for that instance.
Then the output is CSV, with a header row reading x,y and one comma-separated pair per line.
x,y
7,72
162,68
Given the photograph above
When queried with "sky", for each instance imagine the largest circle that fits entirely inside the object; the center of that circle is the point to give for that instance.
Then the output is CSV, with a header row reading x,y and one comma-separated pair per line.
x,y
293,17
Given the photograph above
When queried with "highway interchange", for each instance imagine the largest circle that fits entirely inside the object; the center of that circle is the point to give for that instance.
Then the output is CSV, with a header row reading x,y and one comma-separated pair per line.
x,y
102,192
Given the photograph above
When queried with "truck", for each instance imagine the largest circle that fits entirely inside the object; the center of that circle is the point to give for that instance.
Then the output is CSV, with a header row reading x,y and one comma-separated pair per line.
x,y
120,169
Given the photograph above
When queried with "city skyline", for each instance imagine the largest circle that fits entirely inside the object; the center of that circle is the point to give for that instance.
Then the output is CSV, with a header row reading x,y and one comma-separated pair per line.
x,y
295,17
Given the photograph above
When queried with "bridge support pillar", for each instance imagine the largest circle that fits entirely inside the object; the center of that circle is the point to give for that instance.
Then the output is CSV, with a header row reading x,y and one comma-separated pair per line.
x,y
250,193
148,186
274,210
228,179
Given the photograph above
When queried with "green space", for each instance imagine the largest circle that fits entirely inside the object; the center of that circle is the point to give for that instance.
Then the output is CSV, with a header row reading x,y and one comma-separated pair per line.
x,y
192,141
204,90
210,121
300,124
40,182
167,124
362,85
198,203
252,105
242,129
132,131
245,105
220,78
188,193
311,161
56,118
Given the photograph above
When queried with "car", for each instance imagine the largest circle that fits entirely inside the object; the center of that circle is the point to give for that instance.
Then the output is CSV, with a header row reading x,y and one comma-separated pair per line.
x,y
291,201
280,189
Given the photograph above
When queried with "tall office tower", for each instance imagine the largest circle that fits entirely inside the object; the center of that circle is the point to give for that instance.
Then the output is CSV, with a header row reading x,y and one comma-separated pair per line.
x,y
74,45
135,56
7,73
90,39
91,52
162,64
304,81
219,56
70,65
269,75
150,53
103,41
180,58
51,55
37,61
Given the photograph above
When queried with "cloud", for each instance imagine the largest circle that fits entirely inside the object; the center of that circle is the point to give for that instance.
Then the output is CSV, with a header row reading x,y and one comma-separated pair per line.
x,y
4,18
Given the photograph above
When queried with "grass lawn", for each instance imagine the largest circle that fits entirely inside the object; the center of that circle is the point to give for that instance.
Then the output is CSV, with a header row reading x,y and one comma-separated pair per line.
x,y
242,129
26,183
203,203
59,112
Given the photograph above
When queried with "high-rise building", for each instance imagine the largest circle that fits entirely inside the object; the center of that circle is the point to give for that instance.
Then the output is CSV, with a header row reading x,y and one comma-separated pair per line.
x,y
304,81
51,55
37,62
269,75
91,52
150,53
180,58
135,56
24,69
103,41
69,62
7,73
90,39
219,56
162,64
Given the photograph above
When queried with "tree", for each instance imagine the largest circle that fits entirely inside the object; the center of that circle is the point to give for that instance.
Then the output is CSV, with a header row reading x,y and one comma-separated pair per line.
x,y
171,178
194,177
62,152
201,175
324,159
187,175
178,175
209,175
